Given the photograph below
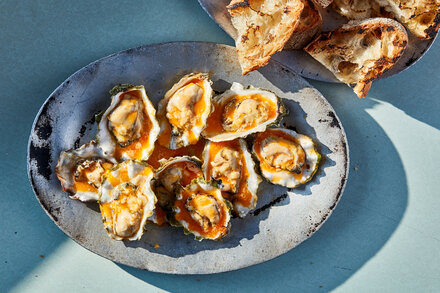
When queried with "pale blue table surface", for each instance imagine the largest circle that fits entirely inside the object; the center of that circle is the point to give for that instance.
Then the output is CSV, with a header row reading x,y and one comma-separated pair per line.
x,y
383,236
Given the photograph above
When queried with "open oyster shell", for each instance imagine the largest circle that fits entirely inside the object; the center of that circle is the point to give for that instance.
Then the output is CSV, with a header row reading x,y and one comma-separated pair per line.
x,y
239,112
230,162
286,157
202,211
80,171
128,128
183,111
126,199
173,175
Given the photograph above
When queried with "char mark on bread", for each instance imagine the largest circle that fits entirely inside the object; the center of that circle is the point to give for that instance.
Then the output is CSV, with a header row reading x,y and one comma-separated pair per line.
x,y
361,51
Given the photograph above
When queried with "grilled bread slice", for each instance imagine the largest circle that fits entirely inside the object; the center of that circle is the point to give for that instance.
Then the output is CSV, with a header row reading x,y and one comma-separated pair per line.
x,y
357,9
359,52
263,27
310,24
323,3
421,17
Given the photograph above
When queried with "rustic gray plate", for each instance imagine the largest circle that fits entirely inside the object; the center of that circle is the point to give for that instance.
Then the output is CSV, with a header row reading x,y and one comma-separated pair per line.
x,y
283,218
301,62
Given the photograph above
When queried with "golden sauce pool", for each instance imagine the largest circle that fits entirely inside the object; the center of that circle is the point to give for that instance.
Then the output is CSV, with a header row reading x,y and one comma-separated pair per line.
x,y
161,152
161,216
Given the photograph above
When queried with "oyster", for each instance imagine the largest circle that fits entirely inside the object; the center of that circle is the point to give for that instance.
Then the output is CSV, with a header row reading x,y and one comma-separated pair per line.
x,y
80,171
126,199
128,128
286,157
183,111
202,211
230,162
239,112
173,175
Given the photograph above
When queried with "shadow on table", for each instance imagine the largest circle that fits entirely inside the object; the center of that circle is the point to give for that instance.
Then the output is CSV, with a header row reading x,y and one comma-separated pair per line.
x,y
416,97
371,208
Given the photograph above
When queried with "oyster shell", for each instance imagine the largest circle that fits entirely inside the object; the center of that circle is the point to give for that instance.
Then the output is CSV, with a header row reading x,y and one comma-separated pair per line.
x,y
202,211
183,111
173,175
128,128
230,162
126,199
80,171
286,157
239,112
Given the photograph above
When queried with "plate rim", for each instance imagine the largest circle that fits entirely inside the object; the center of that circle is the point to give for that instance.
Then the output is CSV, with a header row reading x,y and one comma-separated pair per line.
x,y
114,259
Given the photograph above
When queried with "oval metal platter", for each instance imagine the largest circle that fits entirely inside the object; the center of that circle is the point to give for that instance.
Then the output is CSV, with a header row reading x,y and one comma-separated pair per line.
x,y
301,62
283,218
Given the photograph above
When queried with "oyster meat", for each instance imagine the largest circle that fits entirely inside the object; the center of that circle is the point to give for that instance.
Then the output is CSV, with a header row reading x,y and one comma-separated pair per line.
x,y
126,199
202,211
80,171
183,111
128,128
239,112
230,162
286,157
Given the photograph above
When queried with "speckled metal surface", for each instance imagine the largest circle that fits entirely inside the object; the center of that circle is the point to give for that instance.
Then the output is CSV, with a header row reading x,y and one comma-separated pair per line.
x,y
301,62
283,218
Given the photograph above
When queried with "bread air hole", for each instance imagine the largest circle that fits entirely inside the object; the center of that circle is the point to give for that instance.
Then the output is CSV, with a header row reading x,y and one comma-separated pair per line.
x,y
256,4
369,39
347,68
426,18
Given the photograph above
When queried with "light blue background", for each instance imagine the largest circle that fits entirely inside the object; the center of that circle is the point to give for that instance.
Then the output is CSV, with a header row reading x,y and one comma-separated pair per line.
x,y
383,236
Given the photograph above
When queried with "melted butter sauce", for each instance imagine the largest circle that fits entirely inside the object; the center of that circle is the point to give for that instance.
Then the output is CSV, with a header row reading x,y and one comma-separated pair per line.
x,y
83,186
161,216
214,122
161,152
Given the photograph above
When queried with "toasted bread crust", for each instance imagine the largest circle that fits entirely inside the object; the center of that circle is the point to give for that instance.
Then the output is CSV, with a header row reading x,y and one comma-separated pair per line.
x,y
263,28
310,24
422,17
356,9
323,3
360,51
